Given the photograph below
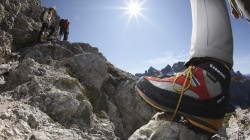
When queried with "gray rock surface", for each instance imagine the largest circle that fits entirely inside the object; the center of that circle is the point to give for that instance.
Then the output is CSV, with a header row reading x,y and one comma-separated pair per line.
x,y
159,128
21,121
239,125
62,90
5,46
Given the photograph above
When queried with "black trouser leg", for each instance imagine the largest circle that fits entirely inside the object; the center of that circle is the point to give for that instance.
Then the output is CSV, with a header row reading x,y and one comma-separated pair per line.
x,y
66,33
52,30
39,37
61,33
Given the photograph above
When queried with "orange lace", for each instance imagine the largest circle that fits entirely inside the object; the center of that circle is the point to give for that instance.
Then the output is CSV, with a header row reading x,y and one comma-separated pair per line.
x,y
188,75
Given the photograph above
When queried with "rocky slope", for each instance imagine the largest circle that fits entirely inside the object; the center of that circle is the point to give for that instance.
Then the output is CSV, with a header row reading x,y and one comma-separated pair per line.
x,y
66,91
239,125
60,90
71,88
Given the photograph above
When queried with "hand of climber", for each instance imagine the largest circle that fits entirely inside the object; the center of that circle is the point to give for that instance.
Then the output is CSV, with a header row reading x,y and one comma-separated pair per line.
x,y
234,13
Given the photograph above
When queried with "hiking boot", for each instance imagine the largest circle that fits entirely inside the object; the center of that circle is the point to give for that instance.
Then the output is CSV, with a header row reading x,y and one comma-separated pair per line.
x,y
200,93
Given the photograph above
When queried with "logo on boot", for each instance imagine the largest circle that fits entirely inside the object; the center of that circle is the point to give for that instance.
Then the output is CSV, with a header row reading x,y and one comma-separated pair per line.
x,y
217,70
218,101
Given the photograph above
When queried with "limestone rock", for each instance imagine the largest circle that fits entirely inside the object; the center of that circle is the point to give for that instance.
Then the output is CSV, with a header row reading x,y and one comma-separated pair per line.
x,y
5,46
158,128
239,125
62,90
21,121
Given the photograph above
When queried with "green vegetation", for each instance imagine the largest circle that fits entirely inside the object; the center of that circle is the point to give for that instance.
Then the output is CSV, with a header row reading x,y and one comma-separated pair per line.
x,y
227,117
86,116
70,71
97,99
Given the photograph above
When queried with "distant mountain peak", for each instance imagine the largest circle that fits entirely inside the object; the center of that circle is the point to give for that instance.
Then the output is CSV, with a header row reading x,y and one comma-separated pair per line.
x,y
166,71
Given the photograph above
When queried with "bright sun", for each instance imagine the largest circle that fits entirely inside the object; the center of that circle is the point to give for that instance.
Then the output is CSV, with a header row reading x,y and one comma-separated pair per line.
x,y
134,9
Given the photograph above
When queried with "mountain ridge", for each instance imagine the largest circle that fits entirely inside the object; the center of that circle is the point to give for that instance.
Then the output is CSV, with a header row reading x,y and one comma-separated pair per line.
x,y
177,68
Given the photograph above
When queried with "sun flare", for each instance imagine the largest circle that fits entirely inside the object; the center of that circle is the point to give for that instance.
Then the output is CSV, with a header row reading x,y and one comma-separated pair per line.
x,y
134,9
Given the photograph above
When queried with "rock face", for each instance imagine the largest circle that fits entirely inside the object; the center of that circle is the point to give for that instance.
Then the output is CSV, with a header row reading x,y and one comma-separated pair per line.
x,y
75,88
160,129
20,19
240,91
21,121
240,94
239,125
61,90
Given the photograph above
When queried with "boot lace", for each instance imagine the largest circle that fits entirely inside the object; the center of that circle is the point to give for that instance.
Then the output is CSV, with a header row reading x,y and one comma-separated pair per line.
x,y
188,77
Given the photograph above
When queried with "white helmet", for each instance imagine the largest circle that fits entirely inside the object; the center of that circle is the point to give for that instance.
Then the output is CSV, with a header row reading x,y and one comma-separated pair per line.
x,y
53,7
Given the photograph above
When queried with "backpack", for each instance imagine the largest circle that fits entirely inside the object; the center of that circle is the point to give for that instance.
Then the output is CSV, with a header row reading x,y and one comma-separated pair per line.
x,y
64,23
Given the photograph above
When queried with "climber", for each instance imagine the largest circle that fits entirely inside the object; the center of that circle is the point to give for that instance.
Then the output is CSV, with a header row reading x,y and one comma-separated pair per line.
x,y
46,17
201,92
240,8
64,28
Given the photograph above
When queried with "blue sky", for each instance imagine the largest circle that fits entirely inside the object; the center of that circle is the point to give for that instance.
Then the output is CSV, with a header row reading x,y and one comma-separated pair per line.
x,y
160,36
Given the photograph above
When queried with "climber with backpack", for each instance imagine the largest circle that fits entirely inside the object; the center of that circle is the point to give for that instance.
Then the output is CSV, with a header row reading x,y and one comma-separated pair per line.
x,y
46,17
64,28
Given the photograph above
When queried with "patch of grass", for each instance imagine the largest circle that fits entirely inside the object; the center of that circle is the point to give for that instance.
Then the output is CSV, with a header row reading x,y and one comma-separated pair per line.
x,y
70,71
97,99
227,117
86,116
